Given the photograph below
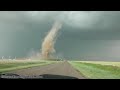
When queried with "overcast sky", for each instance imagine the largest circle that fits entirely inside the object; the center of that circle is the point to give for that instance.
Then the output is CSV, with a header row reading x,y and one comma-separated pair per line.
x,y
89,35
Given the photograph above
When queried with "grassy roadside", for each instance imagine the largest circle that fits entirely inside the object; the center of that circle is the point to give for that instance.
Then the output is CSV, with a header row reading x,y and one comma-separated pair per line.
x,y
102,63
9,66
97,71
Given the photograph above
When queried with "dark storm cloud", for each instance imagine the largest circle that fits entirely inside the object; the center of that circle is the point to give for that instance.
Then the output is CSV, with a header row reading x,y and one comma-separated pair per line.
x,y
84,33
76,19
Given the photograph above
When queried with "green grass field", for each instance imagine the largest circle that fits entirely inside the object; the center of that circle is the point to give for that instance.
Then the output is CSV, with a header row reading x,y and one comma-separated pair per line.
x,y
9,65
98,70
103,63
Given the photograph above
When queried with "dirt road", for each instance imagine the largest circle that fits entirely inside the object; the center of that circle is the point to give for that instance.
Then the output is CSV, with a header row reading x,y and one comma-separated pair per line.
x,y
61,70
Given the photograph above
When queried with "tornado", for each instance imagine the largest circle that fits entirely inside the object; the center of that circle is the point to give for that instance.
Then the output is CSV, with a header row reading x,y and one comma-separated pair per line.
x,y
49,41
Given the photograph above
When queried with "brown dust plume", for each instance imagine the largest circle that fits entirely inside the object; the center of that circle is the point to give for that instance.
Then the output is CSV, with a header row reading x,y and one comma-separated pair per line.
x,y
49,41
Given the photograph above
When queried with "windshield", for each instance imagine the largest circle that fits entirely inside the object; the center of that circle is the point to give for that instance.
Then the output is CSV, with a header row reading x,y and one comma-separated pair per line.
x,y
59,44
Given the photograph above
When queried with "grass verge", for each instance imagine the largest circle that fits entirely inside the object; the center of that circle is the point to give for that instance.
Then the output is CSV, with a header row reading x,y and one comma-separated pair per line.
x,y
5,67
97,71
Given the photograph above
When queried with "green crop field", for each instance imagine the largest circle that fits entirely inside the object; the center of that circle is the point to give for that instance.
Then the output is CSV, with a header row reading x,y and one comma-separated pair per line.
x,y
98,70
9,65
